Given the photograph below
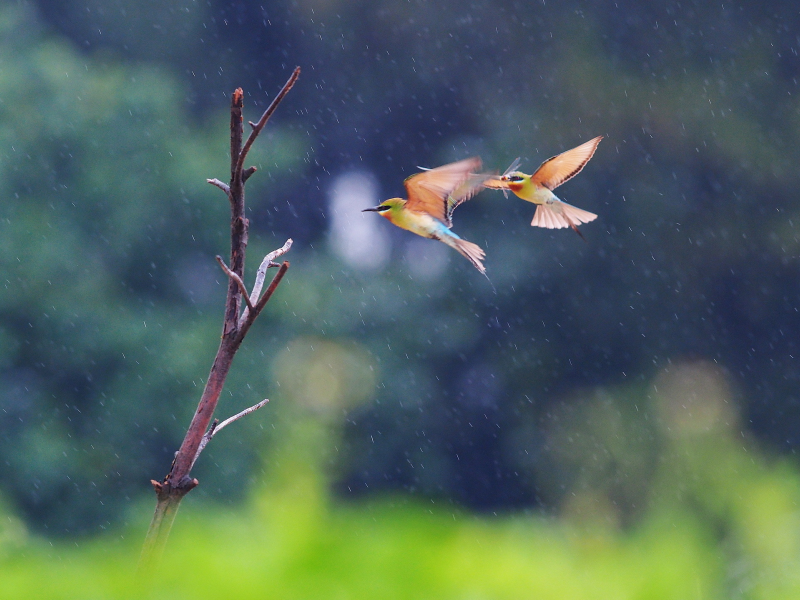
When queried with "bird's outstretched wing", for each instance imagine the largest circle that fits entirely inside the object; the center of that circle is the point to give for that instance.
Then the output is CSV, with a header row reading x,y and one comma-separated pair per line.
x,y
471,186
555,171
438,191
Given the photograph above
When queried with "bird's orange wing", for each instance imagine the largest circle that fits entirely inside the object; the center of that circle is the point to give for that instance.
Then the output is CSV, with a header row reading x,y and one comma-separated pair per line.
x,y
465,191
555,171
430,191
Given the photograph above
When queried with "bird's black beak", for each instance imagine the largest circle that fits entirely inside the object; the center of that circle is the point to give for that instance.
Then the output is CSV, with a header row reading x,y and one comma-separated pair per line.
x,y
373,209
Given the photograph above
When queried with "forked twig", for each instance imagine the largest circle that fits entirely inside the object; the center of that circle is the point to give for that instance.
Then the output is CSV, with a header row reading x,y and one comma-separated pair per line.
x,y
237,279
261,275
257,127
253,297
216,426
271,289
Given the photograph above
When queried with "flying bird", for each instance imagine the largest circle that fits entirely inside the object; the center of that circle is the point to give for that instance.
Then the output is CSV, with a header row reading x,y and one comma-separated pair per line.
x,y
433,195
551,212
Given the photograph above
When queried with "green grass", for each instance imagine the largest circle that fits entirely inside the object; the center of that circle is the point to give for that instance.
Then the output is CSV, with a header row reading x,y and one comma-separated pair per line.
x,y
382,549
721,522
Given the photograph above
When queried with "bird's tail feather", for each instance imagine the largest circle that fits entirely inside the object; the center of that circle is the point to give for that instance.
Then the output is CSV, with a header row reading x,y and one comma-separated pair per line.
x,y
472,252
558,214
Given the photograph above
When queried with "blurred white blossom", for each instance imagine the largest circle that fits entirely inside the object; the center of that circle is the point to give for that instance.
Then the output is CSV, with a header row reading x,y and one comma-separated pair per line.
x,y
360,239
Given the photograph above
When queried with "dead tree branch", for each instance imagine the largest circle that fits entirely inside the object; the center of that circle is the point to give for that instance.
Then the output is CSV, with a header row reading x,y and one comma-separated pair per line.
x,y
223,186
237,279
178,481
257,127
216,426
260,275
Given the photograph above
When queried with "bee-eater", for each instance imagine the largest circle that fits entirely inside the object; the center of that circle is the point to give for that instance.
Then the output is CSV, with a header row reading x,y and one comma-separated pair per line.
x,y
551,212
433,195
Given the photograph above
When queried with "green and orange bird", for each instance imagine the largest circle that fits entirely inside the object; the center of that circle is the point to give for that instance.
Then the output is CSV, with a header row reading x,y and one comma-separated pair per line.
x,y
551,212
433,195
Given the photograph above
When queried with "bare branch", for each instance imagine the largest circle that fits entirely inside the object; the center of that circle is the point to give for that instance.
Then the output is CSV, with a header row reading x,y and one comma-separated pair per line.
x,y
237,279
247,172
237,103
206,438
248,317
272,287
178,481
269,261
261,274
216,426
239,226
257,127
238,416
221,185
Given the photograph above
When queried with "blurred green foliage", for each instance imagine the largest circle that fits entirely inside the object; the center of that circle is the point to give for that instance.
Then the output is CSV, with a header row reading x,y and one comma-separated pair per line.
x,y
719,522
104,176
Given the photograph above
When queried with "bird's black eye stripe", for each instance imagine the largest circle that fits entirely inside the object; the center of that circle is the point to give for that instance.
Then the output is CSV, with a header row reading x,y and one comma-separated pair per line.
x,y
382,208
515,178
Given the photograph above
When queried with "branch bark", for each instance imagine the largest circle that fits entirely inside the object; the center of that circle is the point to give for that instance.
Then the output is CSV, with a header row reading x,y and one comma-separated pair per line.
x,y
178,481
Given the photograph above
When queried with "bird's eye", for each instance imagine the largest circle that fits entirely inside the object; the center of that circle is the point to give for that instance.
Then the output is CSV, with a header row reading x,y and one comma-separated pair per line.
x,y
514,178
382,208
